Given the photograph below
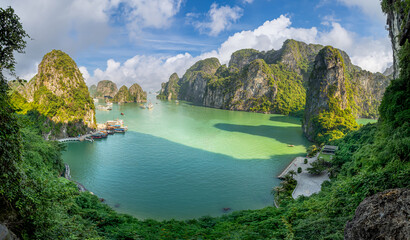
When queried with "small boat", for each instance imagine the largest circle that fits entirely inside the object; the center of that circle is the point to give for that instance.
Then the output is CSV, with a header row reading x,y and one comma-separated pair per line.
x,y
119,130
122,113
97,136
291,145
104,134
150,106
176,101
110,132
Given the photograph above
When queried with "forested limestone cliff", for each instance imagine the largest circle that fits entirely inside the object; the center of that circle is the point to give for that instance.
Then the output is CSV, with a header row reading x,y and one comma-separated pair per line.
x,y
58,97
270,82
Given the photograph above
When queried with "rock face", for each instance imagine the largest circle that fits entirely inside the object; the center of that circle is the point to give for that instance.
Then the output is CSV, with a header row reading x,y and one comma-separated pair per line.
x,y
58,92
389,71
384,215
133,94
327,97
395,18
6,234
170,89
106,88
137,94
122,96
270,82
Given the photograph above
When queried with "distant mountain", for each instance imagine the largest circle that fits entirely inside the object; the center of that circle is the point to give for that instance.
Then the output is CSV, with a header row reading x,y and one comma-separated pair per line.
x,y
133,94
105,88
58,96
270,82
389,71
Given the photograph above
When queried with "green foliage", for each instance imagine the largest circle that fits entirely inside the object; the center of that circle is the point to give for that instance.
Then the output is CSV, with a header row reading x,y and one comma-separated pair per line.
x,y
299,169
318,166
283,192
12,37
394,108
305,161
312,150
46,206
291,94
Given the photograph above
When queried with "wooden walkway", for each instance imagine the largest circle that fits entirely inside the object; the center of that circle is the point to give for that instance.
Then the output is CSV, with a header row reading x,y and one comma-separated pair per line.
x,y
86,137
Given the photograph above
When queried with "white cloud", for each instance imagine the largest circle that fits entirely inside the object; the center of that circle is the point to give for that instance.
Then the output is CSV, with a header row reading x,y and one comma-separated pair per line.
x,y
370,54
84,72
220,18
148,71
76,25
247,1
149,13
369,7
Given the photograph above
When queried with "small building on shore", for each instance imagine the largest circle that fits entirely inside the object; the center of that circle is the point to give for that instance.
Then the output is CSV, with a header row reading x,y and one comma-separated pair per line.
x,y
329,149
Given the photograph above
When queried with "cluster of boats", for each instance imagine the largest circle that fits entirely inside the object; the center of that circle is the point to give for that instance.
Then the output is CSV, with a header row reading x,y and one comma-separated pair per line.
x,y
109,128
147,106
105,108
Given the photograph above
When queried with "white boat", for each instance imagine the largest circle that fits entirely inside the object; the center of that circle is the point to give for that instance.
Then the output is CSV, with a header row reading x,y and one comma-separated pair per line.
x,y
104,108
150,106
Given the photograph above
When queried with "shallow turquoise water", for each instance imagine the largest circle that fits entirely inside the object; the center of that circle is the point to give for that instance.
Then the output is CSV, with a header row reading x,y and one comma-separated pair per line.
x,y
182,161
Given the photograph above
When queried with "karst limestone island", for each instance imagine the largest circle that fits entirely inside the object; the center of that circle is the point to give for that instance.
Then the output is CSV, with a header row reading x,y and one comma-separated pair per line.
x,y
108,90
59,99
272,81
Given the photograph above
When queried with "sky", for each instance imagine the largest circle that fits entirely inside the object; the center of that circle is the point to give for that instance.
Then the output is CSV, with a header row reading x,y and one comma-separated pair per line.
x,y
145,41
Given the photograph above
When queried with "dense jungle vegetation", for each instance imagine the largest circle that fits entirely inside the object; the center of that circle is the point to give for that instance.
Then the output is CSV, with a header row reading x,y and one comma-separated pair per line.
x,y
36,203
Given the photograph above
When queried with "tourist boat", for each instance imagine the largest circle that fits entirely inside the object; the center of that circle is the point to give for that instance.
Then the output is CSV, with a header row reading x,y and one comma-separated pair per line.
x,y
97,136
104,134
110,132
150,106
119,130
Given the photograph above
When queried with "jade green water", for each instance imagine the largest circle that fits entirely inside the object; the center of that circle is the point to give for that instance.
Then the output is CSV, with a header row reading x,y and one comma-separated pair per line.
x,y
182,161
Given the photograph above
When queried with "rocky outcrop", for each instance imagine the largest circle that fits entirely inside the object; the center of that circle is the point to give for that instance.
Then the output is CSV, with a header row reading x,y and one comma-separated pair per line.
x,y
271,82
133,94
395,18
106,88
389,71
241,58
93,90
137,94
327,97
384,215
193,83
122,96
58,92
170,89
6,234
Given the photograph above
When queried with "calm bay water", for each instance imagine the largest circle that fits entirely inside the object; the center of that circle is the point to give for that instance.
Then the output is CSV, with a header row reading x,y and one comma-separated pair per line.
x,y
182,161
